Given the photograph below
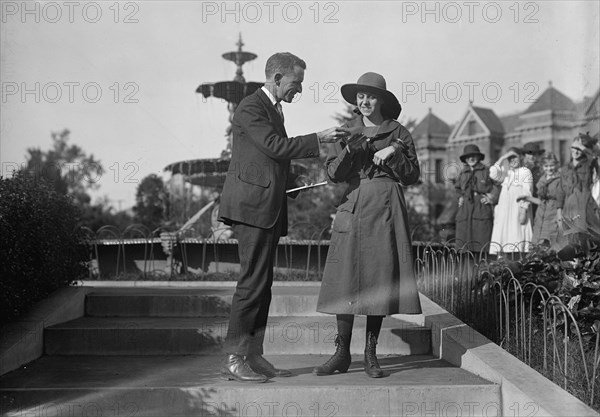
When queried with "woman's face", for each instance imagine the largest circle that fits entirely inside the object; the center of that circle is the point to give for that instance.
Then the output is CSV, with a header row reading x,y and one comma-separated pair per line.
x,y
472,160
576,153
550,168
369,104
529,158
514,161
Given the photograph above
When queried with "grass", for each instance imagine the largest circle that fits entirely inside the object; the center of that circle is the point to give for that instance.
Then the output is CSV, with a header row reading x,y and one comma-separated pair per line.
x,y
575,374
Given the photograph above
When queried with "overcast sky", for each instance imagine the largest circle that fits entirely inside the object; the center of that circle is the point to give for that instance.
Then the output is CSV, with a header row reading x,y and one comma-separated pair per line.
x,y
122,75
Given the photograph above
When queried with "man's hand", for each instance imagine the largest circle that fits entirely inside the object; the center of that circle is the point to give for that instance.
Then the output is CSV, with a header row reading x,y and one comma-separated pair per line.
x,y
383,155
332,135
302,180
461,201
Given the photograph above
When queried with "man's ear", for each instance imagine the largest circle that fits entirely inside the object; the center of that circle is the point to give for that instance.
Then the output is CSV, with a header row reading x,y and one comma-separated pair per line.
x,y
277,78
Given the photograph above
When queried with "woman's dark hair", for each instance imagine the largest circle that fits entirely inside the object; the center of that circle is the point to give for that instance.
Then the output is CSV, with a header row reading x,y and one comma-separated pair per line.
x,y
549,157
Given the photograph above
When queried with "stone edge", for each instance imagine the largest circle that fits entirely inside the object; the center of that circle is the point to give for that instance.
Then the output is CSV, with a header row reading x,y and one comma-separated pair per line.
x,y
524,391
23,341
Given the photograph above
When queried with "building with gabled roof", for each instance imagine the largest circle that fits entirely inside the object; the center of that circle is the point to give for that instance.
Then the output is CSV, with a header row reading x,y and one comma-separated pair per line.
x,y
479,126
551,121
430,136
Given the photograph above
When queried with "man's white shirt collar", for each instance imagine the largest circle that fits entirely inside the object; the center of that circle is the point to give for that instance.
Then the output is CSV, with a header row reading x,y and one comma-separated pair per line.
x,y
268,93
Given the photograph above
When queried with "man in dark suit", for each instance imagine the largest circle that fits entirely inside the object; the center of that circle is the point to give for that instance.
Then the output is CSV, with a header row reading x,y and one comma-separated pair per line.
x,y
253,201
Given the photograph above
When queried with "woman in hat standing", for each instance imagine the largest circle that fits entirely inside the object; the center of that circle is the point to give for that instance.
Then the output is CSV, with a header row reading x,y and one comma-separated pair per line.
x,y
476,196
512,230
369,268
531,160
580,183
549,194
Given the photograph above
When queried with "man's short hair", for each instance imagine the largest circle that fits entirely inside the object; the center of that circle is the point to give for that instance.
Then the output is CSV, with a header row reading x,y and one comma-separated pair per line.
x,y
283,63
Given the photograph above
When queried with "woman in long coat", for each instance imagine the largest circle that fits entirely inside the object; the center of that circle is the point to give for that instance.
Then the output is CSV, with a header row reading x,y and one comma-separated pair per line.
x,y
580,183
369,269
476,195
549,195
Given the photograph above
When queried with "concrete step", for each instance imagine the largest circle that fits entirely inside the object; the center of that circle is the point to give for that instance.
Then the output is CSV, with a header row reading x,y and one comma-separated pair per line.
x,y
194,302
190,386
176,336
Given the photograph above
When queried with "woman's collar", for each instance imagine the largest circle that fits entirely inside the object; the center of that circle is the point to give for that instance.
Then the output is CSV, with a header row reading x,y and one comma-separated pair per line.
x,y
388,125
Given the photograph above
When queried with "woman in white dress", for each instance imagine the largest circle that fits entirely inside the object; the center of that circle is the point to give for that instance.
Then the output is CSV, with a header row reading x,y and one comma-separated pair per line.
x,y
509,235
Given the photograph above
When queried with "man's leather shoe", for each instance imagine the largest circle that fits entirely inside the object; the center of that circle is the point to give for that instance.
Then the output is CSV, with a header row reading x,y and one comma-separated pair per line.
x,y
236,369
263,366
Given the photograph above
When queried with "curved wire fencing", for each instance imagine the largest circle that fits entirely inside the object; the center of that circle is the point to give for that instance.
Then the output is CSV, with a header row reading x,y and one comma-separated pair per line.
x,y
501,299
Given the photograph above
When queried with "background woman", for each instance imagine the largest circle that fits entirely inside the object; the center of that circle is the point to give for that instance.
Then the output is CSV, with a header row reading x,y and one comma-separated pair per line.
x,y
580,183
548,217
508,234
475,216
369,268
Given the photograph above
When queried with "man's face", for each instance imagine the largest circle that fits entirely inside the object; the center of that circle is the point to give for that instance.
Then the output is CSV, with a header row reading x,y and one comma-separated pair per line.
x,y
290,84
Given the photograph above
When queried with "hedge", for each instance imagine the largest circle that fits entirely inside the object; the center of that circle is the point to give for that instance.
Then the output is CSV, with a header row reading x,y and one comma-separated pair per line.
x,y
41,245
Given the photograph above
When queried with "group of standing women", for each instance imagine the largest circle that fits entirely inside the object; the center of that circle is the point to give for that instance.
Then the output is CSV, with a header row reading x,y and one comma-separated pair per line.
x,y
552,206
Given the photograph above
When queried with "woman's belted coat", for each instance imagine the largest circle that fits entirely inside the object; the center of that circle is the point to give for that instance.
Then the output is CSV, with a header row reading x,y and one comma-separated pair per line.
x,y
370,263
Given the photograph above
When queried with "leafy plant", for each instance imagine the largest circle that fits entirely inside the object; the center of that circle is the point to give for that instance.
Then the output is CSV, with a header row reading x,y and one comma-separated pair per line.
x,y
42,246
575,281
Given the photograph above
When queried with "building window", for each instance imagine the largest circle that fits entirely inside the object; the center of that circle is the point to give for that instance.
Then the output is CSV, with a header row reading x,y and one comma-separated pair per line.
x,y
439,171
471,127
564,152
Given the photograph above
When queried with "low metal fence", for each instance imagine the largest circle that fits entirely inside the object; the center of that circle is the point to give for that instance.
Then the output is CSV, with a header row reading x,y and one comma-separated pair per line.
x,y
526,319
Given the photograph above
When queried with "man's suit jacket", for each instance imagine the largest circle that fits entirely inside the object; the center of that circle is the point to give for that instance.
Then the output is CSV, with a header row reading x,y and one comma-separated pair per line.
x,y
254,190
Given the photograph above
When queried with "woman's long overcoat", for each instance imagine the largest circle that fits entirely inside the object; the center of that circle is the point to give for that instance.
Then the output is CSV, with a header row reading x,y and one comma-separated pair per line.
x,y
370,263
579,209
474,220
551,196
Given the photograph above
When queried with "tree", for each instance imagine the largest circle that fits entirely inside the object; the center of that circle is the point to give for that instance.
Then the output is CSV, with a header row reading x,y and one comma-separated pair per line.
x,y
66,167
150,202
94,216
70,171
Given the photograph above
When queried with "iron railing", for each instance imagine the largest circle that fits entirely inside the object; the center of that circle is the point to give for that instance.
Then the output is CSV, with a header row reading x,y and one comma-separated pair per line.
x,y
526,319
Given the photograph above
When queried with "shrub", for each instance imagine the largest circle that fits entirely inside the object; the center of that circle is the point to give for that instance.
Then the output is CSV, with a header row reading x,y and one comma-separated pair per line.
x,y
41,248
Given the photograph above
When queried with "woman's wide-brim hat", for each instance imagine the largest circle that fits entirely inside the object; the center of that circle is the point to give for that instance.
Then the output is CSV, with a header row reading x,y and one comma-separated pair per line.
x,y
533,149
374,83
471,150
583,142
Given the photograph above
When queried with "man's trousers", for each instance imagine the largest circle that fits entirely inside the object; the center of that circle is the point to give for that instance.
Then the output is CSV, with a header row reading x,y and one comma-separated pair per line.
x,y
252,297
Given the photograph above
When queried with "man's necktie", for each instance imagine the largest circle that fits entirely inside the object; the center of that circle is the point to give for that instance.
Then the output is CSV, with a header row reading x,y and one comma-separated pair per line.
x,y
280,111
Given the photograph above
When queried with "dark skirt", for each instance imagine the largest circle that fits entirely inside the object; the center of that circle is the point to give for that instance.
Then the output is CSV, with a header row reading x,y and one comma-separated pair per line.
x,y
370,263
